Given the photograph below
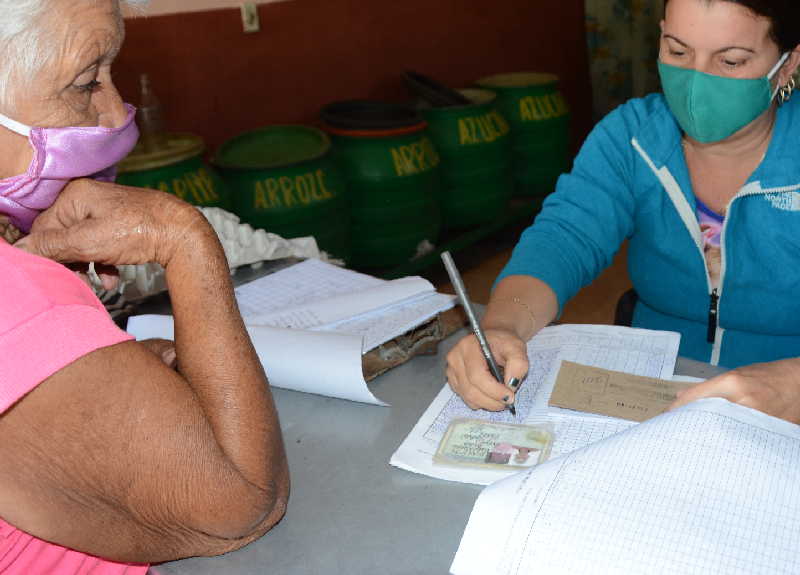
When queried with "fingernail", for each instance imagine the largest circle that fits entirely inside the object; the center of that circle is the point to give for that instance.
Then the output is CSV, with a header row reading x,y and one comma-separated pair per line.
x,y
506,398
513,383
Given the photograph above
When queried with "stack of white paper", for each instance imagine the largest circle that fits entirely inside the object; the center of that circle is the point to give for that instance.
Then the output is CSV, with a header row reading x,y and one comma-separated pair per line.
x,y
315,295
320,311
711,488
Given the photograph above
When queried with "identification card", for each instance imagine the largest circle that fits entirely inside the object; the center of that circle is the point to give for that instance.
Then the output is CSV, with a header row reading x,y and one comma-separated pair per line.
x,y
477,443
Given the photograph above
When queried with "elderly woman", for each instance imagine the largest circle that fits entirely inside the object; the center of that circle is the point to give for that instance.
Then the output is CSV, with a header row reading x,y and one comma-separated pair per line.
x,y
111,460
703,182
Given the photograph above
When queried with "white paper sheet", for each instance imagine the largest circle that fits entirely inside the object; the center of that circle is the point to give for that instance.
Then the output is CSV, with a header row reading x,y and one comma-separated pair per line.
x,y
308,281
712,488
642,352
336,315
344,306
320,296
335,370
572,431
379,326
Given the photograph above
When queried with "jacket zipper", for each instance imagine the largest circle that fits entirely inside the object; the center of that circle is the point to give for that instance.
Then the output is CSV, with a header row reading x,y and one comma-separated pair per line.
x,y
712,316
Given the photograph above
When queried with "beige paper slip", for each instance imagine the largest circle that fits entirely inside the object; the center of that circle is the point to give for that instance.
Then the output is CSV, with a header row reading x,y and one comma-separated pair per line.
x,y
613,393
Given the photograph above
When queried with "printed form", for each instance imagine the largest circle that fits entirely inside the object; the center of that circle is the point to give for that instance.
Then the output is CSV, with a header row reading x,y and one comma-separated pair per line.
x,y
638,351
712,488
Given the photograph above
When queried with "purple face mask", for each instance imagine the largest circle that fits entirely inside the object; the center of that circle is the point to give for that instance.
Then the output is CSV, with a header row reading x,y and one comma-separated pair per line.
x,y
61,155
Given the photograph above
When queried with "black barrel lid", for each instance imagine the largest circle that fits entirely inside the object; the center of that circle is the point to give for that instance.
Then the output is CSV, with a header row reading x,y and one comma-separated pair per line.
x,y
432,91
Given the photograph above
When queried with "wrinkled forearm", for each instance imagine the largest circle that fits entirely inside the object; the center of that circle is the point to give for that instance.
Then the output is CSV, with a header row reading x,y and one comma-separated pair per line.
x,y
218,361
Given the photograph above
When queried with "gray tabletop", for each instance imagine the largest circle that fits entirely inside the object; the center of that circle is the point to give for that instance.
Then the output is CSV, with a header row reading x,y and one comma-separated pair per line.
x,y
350,512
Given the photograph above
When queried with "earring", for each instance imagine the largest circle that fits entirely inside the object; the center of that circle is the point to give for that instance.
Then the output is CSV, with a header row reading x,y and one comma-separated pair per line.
x,y
786,91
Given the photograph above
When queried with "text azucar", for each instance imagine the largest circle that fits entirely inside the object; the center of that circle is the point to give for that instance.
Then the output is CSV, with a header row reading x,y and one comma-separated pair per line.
x,y
482,129
539,108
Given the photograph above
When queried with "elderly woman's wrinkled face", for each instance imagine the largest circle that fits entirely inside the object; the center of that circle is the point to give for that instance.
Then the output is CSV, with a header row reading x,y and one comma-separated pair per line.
x,y
74,86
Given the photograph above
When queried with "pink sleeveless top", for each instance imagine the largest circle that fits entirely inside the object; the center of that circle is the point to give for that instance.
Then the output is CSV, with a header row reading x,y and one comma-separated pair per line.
x,y
48,319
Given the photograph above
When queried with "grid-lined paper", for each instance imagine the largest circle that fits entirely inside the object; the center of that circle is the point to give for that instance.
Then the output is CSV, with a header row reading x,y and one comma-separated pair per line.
x,y
642,352
315,295
305,282
712,489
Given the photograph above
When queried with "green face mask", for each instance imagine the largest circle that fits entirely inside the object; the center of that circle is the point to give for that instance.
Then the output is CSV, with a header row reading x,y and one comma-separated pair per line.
x,y
710,108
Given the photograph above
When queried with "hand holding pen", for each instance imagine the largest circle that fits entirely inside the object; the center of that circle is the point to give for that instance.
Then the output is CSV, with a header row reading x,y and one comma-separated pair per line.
x,y
473,372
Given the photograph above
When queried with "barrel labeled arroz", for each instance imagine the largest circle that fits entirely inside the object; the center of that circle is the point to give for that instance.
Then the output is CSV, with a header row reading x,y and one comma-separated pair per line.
x,y
283,180
474,143
540,128
394,187
177,168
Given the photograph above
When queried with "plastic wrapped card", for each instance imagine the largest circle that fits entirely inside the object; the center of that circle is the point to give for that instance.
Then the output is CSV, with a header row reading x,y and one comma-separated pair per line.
x,y
477,443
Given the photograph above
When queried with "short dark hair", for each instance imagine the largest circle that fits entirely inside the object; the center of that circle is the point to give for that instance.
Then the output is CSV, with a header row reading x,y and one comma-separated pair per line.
x,y
784,16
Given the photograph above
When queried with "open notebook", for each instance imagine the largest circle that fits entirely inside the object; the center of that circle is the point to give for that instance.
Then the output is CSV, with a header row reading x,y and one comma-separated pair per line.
x,y
712,488
311,323
314,295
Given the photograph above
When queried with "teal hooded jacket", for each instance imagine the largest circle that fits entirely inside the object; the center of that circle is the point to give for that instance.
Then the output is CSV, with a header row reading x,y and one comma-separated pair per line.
x,y
630,181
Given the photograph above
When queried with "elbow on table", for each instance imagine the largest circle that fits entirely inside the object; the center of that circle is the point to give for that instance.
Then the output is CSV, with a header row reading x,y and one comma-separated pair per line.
x,y
236,521
237,524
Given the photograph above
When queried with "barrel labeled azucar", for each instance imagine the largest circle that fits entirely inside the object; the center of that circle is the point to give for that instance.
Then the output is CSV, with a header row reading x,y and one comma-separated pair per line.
x,y
283,180
176,167
391,168
539,119
475,146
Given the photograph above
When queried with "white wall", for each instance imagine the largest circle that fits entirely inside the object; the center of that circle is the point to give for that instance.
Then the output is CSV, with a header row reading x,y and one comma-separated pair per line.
x,y
156,7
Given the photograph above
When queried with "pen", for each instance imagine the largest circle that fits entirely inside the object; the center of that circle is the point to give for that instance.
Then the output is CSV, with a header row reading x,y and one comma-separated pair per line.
x,y
461,291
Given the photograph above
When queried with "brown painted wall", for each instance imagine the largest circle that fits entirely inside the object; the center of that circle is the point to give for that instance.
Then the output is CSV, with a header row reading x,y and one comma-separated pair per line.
x,y
216,81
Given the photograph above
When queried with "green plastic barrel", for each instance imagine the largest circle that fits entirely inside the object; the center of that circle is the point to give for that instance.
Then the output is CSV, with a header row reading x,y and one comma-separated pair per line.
x,y
539,119
475,146
392,172
282,179
178,168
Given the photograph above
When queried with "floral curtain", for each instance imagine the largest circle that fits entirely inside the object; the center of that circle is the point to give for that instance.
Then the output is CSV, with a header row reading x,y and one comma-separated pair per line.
x,y
623,47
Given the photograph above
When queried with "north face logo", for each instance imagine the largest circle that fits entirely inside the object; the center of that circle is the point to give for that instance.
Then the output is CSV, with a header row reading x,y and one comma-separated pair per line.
x,y
787,201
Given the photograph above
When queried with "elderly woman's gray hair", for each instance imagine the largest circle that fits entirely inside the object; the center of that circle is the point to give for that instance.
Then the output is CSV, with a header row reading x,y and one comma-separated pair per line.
x,y
23,48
